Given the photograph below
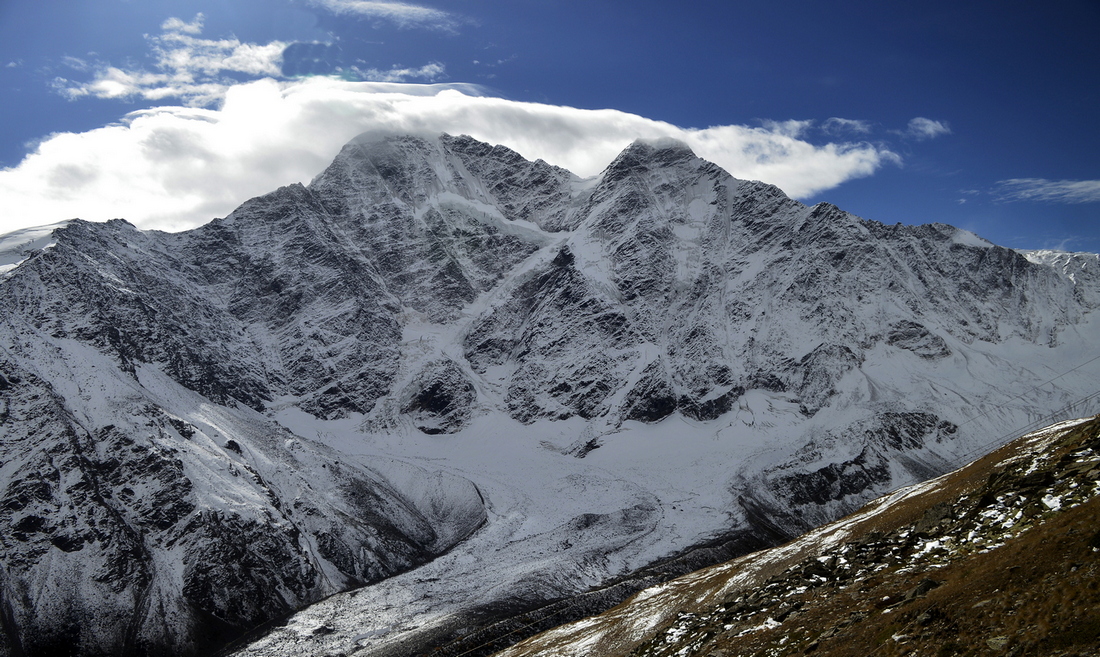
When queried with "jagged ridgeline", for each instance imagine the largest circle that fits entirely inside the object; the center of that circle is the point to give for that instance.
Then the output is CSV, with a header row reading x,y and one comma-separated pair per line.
x,y
202,432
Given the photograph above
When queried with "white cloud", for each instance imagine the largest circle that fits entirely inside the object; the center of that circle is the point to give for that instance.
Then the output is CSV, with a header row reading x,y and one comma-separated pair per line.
x,y
178,25
1053,191
201,71
922,128
174,167
428,72
186,67
836,126
399,13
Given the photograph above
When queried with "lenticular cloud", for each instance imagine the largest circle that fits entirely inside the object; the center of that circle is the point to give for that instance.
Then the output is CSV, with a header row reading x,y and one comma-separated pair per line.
x,y
174,168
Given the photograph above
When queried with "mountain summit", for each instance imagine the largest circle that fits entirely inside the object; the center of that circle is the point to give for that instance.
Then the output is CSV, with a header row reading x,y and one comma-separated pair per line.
x,y
507,383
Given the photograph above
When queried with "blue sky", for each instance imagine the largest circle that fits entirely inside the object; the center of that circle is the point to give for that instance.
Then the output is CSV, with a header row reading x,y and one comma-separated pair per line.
x,y
978,114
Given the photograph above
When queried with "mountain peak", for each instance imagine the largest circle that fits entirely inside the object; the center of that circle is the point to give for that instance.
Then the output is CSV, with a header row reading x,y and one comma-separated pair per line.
x,y
651,153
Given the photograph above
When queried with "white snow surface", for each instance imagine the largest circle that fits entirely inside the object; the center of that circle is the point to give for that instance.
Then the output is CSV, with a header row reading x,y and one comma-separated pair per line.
x,y
16,245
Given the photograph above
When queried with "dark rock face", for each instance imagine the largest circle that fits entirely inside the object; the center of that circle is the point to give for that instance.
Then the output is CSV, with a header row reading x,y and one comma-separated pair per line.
x,y
157,535
793,497
434,254
301,297
526,191
549,320
652,399
440,399
913,337
836,480
821,369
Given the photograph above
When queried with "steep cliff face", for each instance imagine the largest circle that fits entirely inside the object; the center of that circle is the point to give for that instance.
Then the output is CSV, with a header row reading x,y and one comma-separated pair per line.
x,y
180,524
696,286
340,381
148,506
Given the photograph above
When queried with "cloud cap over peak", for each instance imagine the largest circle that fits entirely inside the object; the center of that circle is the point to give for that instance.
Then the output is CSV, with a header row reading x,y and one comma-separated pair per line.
x,y
174,168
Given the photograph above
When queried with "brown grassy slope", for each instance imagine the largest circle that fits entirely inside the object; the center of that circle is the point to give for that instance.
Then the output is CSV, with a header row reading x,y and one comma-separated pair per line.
x,y
973,563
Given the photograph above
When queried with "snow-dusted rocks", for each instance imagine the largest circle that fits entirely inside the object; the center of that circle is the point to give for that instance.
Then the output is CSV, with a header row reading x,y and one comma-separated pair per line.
x,y
341,381
439,399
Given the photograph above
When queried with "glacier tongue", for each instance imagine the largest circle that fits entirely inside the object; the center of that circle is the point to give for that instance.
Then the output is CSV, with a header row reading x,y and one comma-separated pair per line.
x,y
339,383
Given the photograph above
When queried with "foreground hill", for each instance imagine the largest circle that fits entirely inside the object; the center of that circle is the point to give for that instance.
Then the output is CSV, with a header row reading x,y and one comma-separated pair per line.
x,y
458,386
999,557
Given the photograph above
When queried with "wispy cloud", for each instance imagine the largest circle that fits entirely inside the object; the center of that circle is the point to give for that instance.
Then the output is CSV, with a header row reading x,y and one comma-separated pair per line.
x,y
177,167
179,25
922,128
76,63
791,128
839,126
398,13
200,71
1051,191
196,70
428,73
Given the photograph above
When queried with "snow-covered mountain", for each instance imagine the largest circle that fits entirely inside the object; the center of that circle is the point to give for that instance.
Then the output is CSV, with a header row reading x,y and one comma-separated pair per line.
x,y
204,431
